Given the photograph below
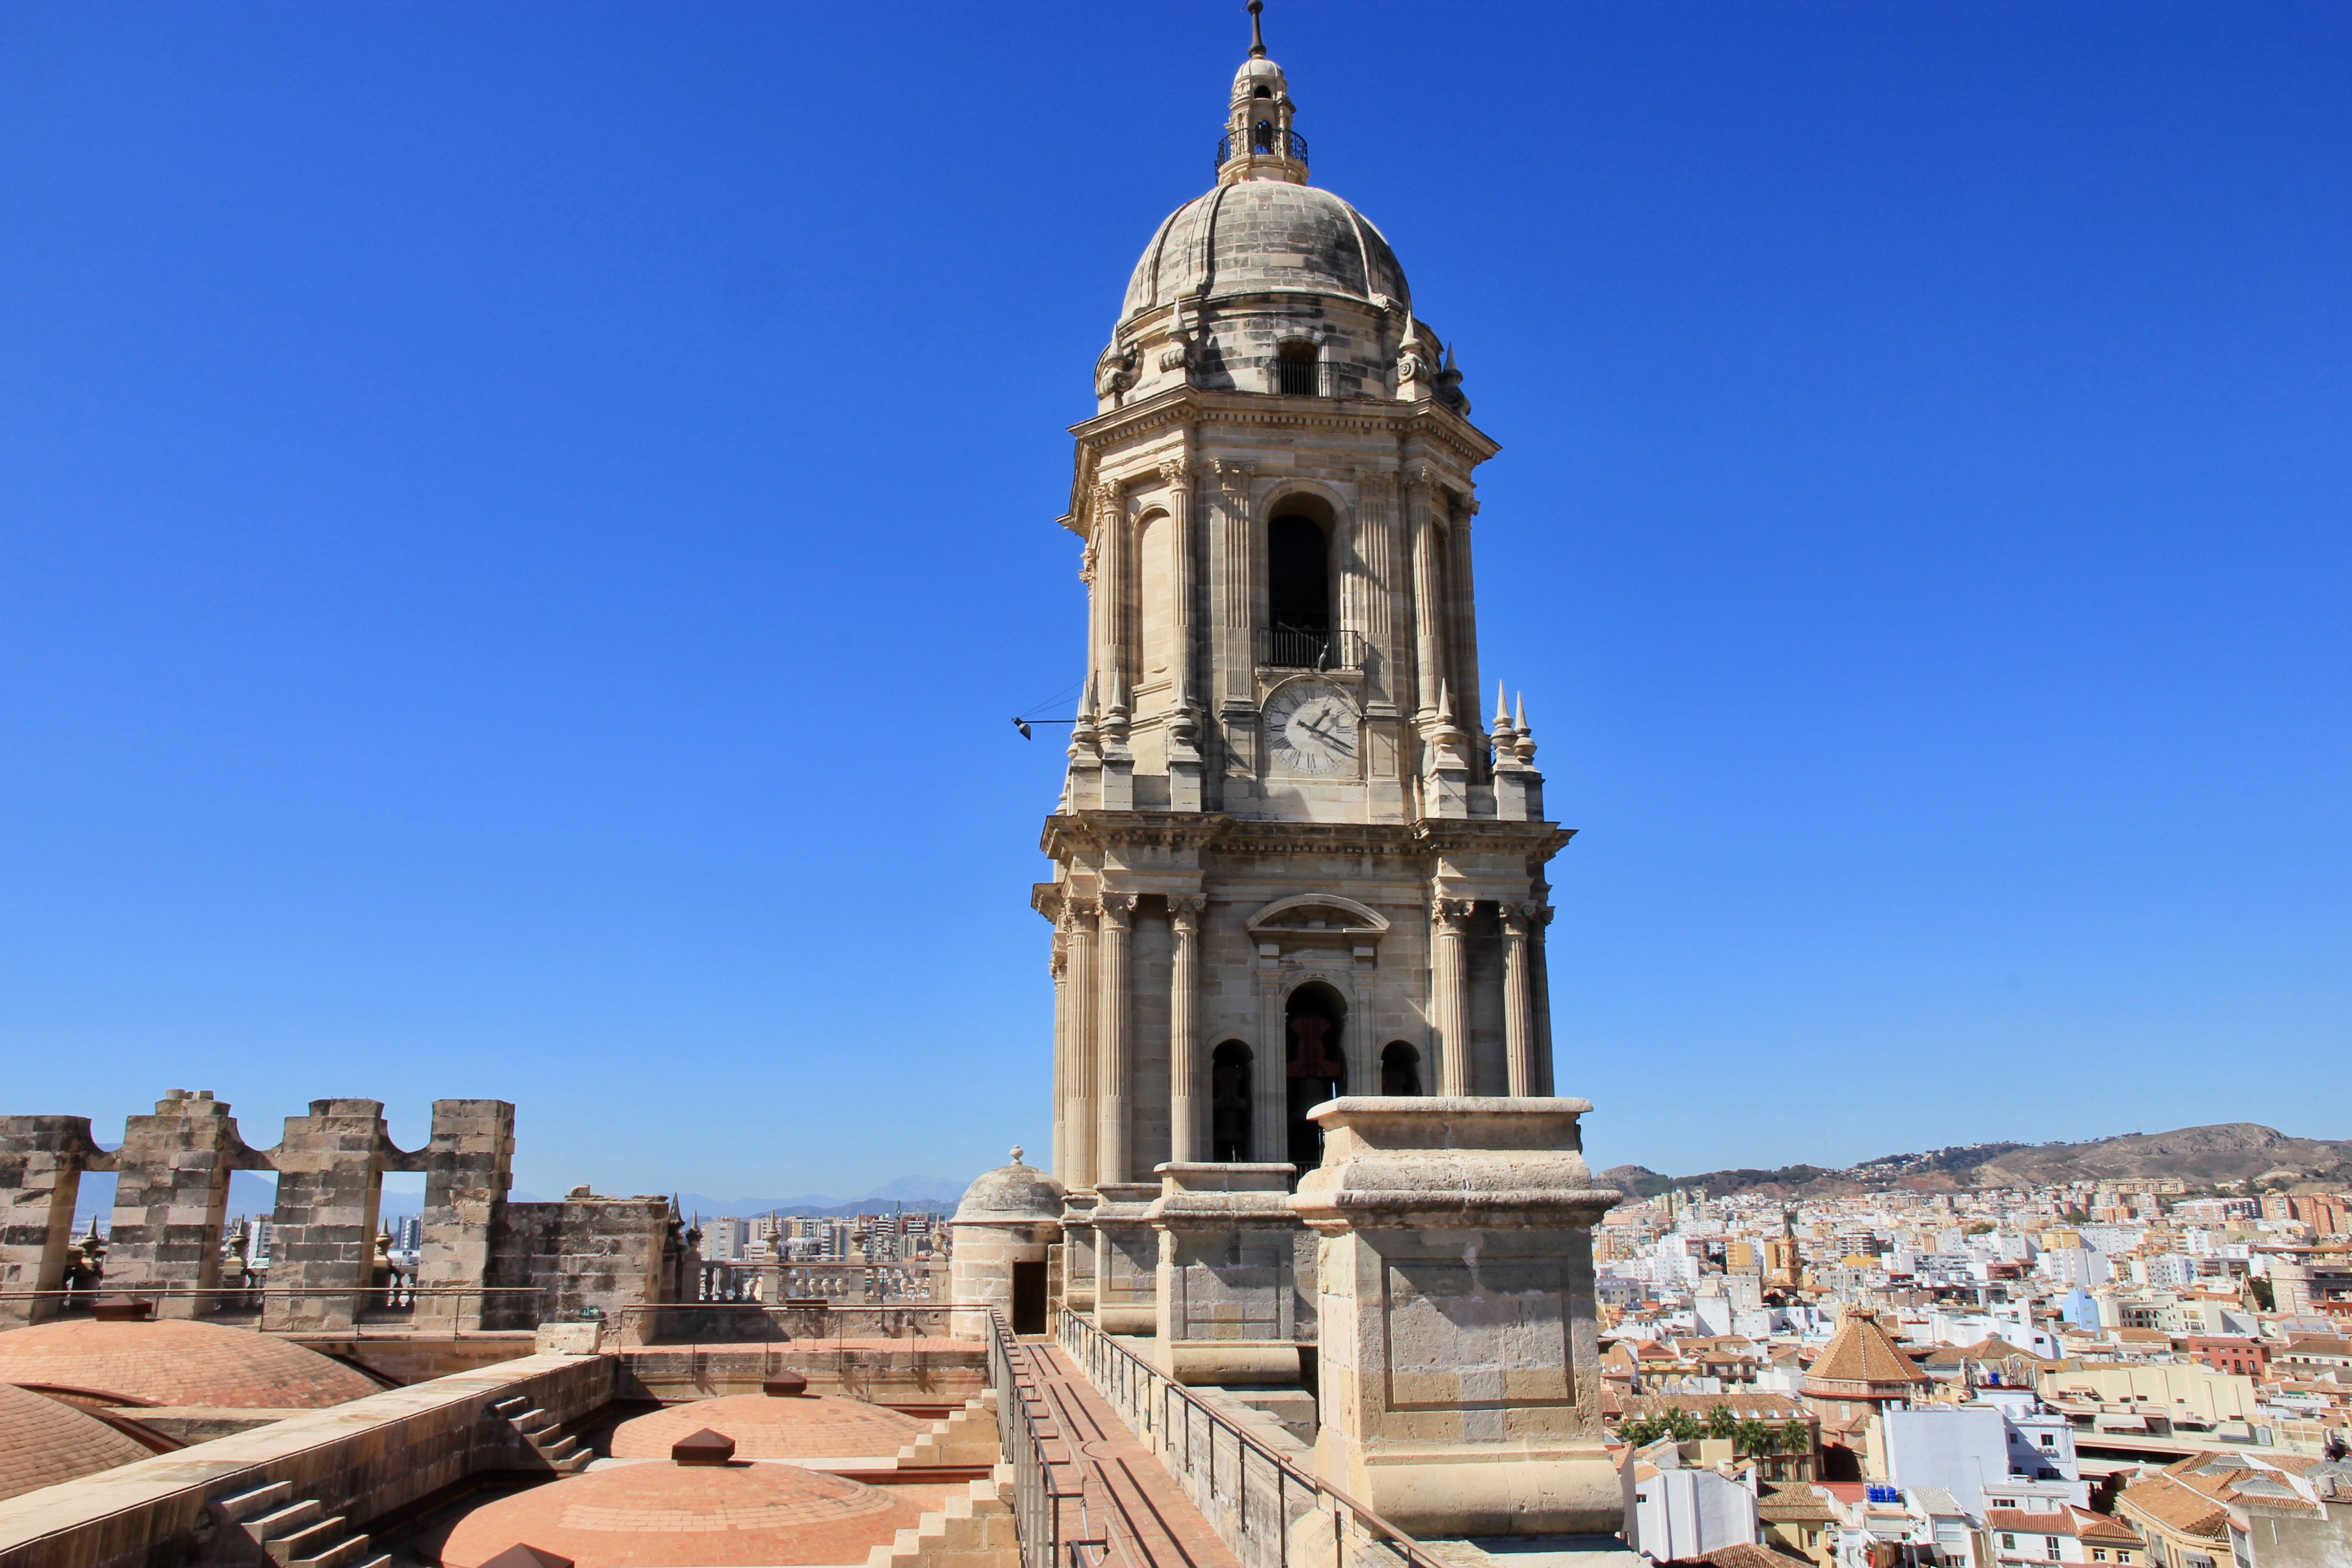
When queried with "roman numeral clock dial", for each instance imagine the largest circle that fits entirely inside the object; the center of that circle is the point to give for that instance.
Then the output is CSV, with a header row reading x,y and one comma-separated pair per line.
x,y
1310,729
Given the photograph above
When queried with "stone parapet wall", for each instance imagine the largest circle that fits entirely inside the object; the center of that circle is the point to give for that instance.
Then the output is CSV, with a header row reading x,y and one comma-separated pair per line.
x,y
359,1460
578,1258
932,1372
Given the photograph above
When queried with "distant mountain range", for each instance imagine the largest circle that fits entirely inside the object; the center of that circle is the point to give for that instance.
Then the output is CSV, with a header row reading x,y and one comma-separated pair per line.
x,y
935,1195
2200,1156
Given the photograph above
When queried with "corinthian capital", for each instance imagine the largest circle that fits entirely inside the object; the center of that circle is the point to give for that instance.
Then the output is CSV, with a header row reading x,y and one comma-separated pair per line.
x,y
1118,911
1080,909
1177,473
1233,476
1185,910
1421,476
1452,914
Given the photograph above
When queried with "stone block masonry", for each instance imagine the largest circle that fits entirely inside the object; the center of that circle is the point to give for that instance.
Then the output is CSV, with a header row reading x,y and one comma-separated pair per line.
x,y
42,1159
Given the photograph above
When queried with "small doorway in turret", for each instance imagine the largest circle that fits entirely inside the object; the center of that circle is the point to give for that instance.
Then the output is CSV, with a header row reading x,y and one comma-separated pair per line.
x,y
1316,1065
1029,1298
1229,1103
1400,1070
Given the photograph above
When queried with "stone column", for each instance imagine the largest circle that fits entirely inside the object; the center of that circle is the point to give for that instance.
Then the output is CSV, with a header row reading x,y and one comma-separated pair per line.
x,y
1113,1091
170,1202
1058,966
1079,1116
1449,994
1187,1106
1518,1001
468,1166
322,1248
1382,590
1540,962
1428,596
1232,572
1227,1309
1127,1254
1462,619
1185,790
1114,689
1270,1063
1461,1388
42,1159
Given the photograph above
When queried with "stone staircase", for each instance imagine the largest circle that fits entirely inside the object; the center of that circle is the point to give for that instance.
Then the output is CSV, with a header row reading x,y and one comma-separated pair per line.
x,y
564,1456
968,1436
973,1529
298,1534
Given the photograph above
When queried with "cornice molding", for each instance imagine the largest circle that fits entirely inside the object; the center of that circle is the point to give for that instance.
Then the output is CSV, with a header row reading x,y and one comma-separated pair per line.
x,y
1427,418
1082,832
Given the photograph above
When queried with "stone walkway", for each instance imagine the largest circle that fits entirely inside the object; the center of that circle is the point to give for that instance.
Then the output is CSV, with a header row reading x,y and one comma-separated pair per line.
x,y
1129,1496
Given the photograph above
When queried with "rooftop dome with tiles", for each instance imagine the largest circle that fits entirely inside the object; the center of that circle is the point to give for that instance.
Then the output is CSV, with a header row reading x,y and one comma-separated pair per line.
x,y
687,1515
177,1362
794,1426
44,1441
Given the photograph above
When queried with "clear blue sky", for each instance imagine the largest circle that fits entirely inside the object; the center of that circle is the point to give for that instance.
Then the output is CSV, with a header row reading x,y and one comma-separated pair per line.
x,y
520,528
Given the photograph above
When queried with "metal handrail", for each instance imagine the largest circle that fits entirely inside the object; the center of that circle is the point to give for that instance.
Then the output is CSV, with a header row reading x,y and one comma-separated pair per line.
x,y
1103,1357
1038,1498
144,1292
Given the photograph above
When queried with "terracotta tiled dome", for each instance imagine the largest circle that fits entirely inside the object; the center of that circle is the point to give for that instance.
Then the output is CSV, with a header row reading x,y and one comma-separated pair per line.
x,y
176,1361
709,1516
43,1441
809,1427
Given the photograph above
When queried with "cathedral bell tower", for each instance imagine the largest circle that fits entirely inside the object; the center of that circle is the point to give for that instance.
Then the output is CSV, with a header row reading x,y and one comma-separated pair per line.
x,y
1289,859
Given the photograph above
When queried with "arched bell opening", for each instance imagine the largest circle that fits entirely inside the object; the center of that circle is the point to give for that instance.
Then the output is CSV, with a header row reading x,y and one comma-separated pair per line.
x,y
1400,1070
1316,1064
1299,581
1229,1103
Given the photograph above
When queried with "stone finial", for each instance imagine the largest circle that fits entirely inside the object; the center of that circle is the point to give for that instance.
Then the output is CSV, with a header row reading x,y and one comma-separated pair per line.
x,y
1016,1153
1257,30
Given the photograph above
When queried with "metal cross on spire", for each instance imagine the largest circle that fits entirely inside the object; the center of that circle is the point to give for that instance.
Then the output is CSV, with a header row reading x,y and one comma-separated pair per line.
x,y
1257,32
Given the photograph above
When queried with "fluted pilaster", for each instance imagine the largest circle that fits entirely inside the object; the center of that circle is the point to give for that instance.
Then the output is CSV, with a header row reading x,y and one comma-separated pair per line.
x,y
1449,1003
1113,1091
1187,1088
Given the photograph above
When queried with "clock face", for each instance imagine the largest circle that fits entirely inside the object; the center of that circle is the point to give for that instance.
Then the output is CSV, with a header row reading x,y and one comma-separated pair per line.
x,y
1310,728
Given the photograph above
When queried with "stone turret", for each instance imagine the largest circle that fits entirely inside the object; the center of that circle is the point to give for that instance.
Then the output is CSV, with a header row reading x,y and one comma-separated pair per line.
x,y
1001,1231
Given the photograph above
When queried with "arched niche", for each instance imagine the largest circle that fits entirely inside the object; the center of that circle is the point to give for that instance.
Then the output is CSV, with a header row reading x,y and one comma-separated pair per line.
x,y
1401,1068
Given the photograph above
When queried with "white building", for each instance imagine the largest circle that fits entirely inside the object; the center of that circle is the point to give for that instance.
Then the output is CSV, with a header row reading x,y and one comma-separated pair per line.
x,y
1679,1513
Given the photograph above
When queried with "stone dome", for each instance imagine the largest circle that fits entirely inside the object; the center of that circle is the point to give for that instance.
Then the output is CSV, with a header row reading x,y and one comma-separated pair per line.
x,y
806,1426
1013,1193
43,1441
1264,237
673,1515
177,1362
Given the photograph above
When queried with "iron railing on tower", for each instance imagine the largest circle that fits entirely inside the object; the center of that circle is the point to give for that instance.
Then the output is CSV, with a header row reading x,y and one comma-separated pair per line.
x,y
1298,648
1262,140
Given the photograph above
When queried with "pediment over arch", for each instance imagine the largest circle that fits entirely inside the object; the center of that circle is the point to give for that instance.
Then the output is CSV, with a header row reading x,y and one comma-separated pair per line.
x,y
1325,914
